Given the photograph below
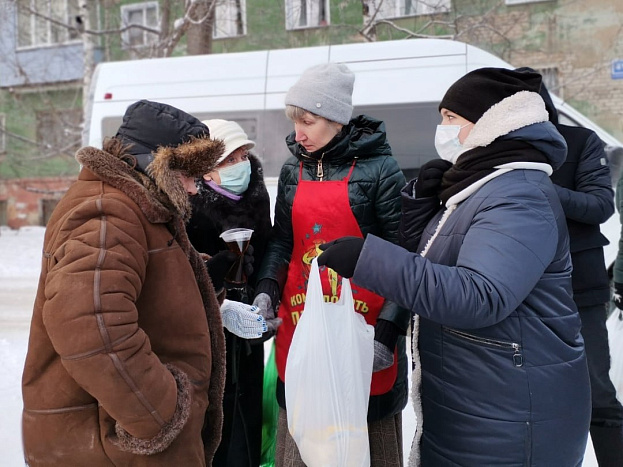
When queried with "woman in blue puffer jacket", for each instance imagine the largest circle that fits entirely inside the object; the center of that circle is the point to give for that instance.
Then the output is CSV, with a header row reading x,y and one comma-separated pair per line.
x,y
485,268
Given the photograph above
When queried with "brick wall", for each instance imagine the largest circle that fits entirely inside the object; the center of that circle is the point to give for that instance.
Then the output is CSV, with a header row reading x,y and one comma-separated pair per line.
x,y
29,200
579,38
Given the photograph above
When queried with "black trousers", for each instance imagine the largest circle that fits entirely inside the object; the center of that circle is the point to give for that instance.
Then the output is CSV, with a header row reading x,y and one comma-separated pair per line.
x,y
607,410
607,413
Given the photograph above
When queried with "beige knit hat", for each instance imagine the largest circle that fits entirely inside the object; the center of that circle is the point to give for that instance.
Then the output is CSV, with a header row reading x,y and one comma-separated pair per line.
x,y
231,133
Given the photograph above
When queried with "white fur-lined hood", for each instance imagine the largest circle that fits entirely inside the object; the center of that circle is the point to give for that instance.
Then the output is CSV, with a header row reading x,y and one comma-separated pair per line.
x,y
517,111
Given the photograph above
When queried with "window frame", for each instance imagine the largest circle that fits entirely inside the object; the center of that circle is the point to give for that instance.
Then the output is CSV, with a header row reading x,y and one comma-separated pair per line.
x,y
521,2
292,18
445,6
35,36
551,79
229,19
125,12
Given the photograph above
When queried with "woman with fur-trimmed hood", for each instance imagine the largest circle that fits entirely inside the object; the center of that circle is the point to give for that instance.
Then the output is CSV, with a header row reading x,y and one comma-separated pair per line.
x,y
126,358
485,267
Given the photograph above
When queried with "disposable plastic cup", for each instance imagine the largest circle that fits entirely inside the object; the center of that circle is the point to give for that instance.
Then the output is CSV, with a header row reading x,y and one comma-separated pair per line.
x,y
237,240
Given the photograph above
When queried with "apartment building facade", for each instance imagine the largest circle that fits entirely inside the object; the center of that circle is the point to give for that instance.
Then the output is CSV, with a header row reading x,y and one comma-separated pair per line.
x,y
576,45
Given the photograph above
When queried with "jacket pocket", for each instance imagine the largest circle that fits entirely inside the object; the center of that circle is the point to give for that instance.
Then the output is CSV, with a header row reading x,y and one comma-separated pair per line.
x,y
513,348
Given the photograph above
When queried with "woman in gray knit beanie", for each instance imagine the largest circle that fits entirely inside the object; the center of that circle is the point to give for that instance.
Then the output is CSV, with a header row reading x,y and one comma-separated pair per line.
x,y
363,197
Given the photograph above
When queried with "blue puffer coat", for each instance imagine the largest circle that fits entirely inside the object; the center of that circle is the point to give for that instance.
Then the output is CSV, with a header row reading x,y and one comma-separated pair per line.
x,y
504,376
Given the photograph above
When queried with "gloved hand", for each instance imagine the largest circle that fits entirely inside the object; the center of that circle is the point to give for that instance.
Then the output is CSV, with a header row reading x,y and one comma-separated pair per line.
x,y
264,304
341,255
242,320
385,338
218,265
617,297
383,357
267,299
428,182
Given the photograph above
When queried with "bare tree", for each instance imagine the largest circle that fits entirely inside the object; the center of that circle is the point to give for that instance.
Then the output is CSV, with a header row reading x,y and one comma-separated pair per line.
x,y
97,28
199,33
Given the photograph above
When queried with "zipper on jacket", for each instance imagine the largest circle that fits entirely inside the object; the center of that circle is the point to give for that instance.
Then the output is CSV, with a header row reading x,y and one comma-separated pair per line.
x,y
513,346
319,168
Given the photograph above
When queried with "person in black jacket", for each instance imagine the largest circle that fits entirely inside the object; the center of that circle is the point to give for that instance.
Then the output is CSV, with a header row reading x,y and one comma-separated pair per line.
x,y
584,187
340,180
231,196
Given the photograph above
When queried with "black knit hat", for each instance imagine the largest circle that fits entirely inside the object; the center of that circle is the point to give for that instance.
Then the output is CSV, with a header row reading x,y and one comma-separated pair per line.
x,y
149,125
479,90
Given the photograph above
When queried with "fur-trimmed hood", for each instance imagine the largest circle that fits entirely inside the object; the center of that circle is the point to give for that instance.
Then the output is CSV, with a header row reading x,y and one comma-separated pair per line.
x,y
517,111
523,117
161,194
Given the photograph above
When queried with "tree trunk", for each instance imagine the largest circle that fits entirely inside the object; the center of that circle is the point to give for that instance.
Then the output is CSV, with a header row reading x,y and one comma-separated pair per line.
x,y
199,34
89,65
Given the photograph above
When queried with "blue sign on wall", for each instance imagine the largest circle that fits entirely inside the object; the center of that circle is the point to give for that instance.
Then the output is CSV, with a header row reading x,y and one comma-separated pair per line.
x,y
617,69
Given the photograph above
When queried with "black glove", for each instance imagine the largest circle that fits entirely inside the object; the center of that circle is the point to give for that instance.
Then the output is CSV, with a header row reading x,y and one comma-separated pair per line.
x,y
247,260
428,181
617,297
341,255
218,265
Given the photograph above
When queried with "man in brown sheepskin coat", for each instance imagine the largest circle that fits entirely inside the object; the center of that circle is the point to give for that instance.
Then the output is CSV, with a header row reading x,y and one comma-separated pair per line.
x,y
126,355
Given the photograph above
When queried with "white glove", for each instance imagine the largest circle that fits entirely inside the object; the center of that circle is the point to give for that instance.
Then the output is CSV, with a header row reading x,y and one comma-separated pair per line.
x,y
242,319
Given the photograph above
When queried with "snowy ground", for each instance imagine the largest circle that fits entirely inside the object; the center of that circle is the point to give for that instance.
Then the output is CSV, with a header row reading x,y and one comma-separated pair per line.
x,y
20,257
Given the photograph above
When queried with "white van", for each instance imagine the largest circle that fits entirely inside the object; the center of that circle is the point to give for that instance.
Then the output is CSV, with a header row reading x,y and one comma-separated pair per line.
x,y
400,82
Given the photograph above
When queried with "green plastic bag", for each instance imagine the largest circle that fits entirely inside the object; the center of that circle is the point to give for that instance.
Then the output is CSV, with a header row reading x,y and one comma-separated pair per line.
x,y
270,411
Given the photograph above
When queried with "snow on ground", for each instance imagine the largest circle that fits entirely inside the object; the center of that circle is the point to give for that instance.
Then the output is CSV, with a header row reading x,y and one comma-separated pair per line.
x,y
20,262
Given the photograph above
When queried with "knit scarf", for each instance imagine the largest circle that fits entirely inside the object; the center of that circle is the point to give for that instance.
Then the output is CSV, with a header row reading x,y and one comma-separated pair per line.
x,y
479,162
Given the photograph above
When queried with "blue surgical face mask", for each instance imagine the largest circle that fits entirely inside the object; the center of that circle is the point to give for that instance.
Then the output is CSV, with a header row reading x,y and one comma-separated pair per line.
x,y
235,178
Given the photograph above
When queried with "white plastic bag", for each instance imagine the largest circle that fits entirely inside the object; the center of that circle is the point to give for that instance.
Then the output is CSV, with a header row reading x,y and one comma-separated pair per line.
x,y
328,375
615,340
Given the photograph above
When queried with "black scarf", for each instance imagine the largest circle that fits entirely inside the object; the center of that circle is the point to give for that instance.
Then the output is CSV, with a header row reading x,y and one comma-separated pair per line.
x,y
479,162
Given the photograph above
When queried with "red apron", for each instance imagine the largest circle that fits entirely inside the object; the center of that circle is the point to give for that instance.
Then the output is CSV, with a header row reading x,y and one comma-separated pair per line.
x,y
320,213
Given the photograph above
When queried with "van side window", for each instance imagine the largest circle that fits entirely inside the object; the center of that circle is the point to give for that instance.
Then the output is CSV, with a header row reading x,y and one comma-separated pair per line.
x,y
410,131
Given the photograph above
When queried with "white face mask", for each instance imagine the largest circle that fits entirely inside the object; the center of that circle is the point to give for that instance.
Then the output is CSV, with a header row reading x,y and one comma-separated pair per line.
x,y
447,142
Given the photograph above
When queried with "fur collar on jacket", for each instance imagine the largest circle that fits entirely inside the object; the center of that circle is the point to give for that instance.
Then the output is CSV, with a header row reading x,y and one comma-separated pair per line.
x,y
161,195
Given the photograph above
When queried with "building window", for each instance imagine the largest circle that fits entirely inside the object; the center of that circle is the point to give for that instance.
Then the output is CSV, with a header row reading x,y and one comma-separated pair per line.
x,y
46,22
518,2
230,19
306,13
2,133
550,80
142,14
59,131
399,8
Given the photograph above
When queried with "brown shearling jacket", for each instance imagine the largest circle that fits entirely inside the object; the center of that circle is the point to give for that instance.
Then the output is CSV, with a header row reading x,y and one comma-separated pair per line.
x,y
122,365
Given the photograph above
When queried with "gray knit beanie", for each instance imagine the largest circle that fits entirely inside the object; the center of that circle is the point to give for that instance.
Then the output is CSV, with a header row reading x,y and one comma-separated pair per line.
x,y
325,90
